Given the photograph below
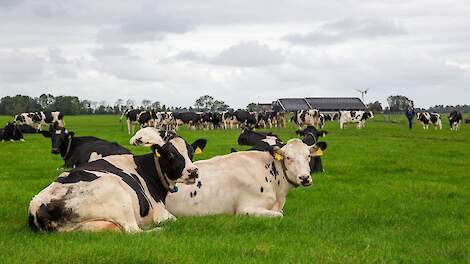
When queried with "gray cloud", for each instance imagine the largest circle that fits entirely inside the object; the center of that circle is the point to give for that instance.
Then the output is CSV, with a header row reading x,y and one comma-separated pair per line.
x,y
345,30
20,67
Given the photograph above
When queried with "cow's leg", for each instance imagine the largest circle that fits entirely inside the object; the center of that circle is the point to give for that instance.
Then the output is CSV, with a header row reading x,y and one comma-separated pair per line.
x,y
258,211
341,125
161,215
128,126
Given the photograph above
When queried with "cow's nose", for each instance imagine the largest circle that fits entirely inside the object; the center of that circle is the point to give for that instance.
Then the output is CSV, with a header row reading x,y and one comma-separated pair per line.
x,y
193,173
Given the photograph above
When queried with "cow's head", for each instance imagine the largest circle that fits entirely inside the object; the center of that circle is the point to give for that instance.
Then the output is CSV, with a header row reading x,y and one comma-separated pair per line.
x,y
20,118
175,157
311,130
296,158
147,136
60,137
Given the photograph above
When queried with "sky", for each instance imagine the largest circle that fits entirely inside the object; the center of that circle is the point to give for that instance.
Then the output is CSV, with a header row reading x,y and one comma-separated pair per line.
x,y
235,50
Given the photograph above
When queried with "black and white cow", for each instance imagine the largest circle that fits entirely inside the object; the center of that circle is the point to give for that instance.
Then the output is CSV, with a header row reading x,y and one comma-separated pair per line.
x,y
266,119
192,119
324,117
38,119
115,193
133,118
358,117
79,150
245,183
426,118
229,120
11,132
246,118
263,141
306,118
455,120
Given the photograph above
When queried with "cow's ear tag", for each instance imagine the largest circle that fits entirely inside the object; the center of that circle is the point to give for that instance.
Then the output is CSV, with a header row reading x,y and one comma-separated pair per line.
x,y
278,156
198,151
319,152
157,154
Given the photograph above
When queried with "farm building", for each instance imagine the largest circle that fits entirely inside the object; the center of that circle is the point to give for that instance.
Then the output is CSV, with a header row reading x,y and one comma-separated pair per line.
x,y
325,104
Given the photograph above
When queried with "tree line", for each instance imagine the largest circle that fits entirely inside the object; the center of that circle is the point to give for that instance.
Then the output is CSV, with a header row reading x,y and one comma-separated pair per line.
x,y
72,105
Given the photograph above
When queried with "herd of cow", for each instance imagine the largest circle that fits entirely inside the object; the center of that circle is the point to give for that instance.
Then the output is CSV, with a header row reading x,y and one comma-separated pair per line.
x,y
109,188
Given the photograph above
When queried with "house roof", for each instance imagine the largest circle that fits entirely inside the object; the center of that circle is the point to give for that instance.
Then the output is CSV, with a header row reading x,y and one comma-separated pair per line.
x,y
293,104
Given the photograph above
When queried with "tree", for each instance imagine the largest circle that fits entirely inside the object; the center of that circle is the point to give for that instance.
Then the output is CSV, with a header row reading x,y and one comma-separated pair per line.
x,y
204,103
18,104
252,107
146,103
45,100
375,107
399,103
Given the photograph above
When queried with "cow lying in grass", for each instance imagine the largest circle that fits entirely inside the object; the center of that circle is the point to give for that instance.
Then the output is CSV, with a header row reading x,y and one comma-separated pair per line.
x,y
11,132
117,193
247,182
79,150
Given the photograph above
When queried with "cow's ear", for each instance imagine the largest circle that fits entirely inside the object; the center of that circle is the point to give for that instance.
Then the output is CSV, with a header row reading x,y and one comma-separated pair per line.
x,y
199,145
70,134
323,133
157,150
276,152
46,133
317,149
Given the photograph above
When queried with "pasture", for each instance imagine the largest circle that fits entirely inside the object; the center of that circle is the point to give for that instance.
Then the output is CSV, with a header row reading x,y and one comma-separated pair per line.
x,y
388,195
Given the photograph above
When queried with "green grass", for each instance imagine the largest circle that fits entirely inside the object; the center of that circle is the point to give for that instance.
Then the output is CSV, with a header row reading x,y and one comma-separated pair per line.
x,y
388,195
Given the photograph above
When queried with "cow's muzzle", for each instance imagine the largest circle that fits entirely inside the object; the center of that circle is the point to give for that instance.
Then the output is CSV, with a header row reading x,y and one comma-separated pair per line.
x,y
193,174
305,180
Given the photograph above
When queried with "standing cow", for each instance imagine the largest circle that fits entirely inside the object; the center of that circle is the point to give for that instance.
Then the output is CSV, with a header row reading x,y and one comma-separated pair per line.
x,y
426,118
247,182
39,119
455,120
358,117
306,118
116,193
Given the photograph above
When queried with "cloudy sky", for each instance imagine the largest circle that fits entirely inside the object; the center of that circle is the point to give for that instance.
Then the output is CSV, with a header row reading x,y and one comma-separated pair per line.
x,y
238,51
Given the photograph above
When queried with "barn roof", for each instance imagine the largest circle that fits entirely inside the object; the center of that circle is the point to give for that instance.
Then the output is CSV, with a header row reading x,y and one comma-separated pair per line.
x,y
293,104
336,103
321,103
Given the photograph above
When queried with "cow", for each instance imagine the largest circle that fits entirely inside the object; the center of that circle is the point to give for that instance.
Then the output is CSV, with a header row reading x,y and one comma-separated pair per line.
x,y
132,118
79,150
38,119
11,132
263,141
229,120
115,193
306,118
358,117
426,118
216,120
27,129
245,183
192,119
455,120
324,117
246,118
265,119
279,119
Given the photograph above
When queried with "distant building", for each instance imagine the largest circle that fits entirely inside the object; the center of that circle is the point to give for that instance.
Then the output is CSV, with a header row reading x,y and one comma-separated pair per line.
x,y
324,104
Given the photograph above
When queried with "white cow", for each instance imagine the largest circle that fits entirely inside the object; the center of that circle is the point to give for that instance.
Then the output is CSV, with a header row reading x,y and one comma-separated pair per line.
x,y
248,183
426,118
307,118
358,117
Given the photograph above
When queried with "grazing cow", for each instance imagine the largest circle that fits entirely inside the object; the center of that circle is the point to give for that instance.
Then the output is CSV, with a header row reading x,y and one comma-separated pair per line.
x,y
116,193
358,117
266,119
79,150
132,117
246,183
38,119
11,132
246,118
455,120
192,119
425,118
216,120
306,118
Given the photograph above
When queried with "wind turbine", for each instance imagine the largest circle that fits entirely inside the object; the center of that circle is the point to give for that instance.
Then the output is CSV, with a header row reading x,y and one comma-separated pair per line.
x,y
363,92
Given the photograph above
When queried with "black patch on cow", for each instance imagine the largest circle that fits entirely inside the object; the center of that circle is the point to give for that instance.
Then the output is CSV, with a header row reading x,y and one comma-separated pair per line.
x,y
52,212
195,192
273,170
261,189
77,176
278,182
199,184
130,179
191,194
353,114
434,118
302,115
266,178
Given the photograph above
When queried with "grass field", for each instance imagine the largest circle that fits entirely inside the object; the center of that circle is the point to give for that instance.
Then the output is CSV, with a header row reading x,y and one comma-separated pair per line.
x,y
388,195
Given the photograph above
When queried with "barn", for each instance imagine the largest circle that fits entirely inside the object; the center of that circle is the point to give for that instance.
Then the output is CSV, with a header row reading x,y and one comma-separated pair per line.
x,y
324,104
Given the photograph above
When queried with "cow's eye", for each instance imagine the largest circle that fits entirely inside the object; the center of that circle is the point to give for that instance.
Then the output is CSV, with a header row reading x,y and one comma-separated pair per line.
x,y
287,158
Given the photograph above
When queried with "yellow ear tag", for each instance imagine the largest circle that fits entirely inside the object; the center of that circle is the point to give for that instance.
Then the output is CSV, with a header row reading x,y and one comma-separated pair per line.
x,y
278,156
157,154
198,151
319,152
